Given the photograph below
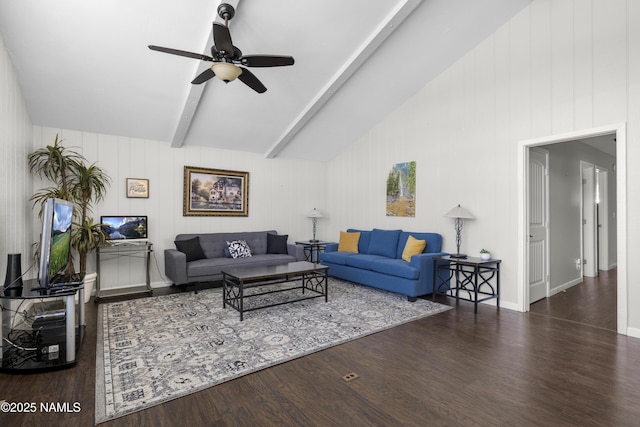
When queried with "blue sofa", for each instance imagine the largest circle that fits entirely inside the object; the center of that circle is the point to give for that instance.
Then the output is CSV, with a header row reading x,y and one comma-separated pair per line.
x,y
379,262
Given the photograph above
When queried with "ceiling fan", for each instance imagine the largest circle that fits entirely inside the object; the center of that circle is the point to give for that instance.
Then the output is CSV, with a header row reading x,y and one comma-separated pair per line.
x,y
227,58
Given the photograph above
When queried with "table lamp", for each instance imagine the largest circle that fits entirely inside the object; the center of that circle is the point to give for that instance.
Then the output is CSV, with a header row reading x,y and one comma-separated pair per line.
x,y
459,214
314,215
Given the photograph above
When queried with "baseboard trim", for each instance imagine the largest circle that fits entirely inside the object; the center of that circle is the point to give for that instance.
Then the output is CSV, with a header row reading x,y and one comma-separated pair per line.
x,y
633,332
565,286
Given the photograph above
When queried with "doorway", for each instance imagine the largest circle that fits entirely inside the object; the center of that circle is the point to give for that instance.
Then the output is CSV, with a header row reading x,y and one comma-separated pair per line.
x,y
602,219
595,218
524,267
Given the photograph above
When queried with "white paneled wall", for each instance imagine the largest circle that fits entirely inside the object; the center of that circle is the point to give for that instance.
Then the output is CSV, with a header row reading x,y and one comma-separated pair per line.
x,y
558,66
281,192
15,135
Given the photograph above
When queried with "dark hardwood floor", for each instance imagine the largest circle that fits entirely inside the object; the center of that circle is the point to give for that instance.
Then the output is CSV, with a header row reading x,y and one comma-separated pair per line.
x,y
592,302
499,368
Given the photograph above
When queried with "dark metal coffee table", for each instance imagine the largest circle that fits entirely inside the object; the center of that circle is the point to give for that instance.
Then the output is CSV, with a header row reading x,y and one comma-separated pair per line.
x,y
313,278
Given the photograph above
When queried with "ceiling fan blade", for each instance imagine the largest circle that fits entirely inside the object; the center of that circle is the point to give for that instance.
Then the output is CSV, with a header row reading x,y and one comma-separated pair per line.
x,y
248,78
204,76
181,53
222,39
266,60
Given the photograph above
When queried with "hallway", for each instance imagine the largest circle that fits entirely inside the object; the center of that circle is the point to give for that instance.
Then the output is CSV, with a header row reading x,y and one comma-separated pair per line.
x,y
593,302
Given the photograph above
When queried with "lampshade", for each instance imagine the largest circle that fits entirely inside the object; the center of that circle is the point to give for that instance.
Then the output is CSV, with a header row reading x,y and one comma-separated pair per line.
x,y
459,212
315,213
226,71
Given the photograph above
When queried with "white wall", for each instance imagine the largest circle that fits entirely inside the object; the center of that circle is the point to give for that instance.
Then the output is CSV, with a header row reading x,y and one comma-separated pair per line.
x,y
15,137
564,208
558,66
281,192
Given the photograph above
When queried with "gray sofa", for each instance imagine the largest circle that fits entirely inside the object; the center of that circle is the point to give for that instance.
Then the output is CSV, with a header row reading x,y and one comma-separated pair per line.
x,y
188,266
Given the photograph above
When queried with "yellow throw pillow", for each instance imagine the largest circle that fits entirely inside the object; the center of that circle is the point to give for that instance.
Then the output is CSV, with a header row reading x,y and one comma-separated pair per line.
x,y
413,247
348,242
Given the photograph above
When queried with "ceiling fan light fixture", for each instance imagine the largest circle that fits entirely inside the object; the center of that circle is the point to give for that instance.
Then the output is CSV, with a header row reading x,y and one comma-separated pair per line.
x,y
226,71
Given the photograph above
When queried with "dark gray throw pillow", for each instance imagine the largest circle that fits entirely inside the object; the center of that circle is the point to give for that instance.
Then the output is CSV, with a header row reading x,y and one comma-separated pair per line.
x,y
191,248
277,243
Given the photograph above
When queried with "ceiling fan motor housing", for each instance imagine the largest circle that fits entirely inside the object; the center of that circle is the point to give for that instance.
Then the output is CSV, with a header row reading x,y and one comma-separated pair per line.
x,y
226,11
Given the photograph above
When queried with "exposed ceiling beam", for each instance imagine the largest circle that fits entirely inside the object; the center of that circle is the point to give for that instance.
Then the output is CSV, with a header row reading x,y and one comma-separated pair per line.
x,y
387,26
195,91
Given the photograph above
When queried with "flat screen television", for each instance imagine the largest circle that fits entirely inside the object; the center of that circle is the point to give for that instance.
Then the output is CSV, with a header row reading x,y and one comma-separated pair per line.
x,y
55,240
125,228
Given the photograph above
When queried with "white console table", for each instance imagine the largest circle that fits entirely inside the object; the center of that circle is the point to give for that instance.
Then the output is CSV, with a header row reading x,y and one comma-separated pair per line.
x,y
141,250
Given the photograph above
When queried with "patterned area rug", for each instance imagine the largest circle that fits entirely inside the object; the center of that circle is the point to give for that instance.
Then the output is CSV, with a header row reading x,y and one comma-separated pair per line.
x,y
151,350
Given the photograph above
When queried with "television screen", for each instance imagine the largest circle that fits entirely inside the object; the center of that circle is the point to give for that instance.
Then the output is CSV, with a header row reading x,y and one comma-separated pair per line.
x,y
55,240
125,227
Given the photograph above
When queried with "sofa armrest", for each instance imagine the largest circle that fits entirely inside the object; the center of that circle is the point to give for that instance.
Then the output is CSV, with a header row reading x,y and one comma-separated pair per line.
x,y
331,247
175,266
424,263
296,251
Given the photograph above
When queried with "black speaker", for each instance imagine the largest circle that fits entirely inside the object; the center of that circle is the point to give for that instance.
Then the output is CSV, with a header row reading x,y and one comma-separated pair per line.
x,y
13,280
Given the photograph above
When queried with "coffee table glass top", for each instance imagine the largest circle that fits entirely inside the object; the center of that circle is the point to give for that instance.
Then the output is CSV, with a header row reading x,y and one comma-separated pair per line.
x,y
268,271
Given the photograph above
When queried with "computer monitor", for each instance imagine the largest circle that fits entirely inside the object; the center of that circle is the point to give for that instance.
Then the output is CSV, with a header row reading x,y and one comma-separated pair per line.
x,y
125,228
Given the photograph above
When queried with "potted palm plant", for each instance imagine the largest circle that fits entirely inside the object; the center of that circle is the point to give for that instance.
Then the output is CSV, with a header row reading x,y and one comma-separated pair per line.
x,y
83,185
89,186
55,163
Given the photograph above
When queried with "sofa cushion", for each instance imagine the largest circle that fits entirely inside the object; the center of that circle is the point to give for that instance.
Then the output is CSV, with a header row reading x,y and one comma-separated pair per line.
x,y
214,244
277,244
384,242
335,257
239,249
191,248
348,242
364,261
365,238
396,267
413,247
213,266
434,241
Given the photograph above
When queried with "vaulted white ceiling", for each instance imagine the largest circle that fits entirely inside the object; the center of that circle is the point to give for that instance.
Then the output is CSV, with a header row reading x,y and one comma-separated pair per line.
x,y
85,65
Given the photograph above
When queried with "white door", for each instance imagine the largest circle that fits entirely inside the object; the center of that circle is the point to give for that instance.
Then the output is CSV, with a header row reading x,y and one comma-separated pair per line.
x,y
603,218
538,225
589,225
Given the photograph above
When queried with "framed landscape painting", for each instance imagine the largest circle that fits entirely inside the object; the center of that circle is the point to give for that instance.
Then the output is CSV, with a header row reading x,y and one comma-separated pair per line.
x,y
215,192
401,190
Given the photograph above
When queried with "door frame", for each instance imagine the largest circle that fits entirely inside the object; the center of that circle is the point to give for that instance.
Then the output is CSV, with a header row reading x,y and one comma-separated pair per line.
x,y
620,131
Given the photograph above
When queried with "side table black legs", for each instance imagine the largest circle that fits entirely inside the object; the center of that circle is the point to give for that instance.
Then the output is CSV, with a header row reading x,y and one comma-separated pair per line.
x,y
312,249
468,279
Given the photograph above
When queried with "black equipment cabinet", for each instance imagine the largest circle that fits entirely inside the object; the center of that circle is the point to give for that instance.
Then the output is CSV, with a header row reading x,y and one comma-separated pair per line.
x,y
41,329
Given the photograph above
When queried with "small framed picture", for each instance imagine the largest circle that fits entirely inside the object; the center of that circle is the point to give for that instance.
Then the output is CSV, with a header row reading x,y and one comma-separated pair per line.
x,y
138,188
